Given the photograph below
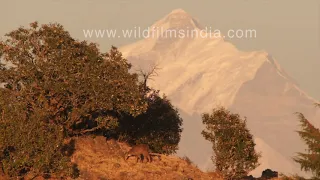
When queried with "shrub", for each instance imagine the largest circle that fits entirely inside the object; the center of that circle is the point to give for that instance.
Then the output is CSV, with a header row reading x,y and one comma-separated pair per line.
x,y
30,144
159,126
233,145
58,87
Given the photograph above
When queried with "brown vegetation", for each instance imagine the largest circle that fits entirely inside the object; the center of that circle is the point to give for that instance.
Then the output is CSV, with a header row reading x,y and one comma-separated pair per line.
x,y
59,88
100,159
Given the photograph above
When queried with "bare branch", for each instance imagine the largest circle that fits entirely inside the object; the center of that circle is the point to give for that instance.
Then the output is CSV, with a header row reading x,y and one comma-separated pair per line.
x,y
149,74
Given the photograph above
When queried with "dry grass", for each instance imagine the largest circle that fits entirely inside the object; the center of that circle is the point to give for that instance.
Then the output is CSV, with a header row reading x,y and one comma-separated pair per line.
x,y
98,159
101,159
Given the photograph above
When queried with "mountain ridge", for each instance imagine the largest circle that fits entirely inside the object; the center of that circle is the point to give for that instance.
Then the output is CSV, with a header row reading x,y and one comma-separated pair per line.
x,y
198,74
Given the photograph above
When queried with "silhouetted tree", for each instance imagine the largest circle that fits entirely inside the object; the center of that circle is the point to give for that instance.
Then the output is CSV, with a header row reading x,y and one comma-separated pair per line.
x,y
233,145
309,161
148,75
159,126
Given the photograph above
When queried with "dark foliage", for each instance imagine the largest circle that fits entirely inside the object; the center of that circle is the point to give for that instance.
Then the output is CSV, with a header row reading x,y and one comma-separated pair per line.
x,y
159,126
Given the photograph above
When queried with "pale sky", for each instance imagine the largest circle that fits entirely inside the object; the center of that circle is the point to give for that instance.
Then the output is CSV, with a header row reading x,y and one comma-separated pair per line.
x,y
288,29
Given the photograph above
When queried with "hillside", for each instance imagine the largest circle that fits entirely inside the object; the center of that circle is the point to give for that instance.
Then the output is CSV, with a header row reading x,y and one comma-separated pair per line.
x,y
101,159
198,74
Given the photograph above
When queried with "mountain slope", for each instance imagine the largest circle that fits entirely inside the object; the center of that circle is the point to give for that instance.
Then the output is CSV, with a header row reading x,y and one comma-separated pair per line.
x,y
271,159
200,73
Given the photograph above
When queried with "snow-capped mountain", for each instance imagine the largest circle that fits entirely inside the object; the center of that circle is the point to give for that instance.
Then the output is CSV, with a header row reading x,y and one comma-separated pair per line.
x,y
200,72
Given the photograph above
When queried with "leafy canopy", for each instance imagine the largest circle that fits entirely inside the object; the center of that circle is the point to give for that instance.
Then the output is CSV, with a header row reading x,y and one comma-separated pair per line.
x,y
159,126
71,80
57,87
233,145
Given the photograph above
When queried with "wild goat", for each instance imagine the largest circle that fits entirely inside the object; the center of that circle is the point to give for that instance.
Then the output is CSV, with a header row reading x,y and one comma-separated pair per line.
x,y
139,151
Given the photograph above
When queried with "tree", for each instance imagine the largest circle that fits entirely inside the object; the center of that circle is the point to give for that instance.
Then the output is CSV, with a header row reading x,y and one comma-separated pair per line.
x,y
72,80
309,161
28,143
233,145
148,75
58,87
159,126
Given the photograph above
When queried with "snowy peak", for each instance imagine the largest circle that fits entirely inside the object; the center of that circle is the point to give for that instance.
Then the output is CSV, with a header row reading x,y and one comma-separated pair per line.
x,y
177,19
198,74
179,11
174,29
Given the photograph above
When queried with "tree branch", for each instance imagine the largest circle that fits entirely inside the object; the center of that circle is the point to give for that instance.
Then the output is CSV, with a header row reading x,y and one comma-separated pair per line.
x,y
148,75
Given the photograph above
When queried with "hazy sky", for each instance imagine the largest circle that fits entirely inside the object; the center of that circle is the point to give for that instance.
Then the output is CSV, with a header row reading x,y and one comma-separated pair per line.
x,y
287,29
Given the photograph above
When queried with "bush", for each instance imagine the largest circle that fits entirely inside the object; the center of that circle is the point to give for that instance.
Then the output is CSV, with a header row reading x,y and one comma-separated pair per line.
x,y
233,145
78,86
159,126
30,144
58,87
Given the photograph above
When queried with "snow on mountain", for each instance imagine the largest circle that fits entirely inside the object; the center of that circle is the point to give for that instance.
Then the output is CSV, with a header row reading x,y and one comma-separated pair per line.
x,y
270,159
202,67
200,72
